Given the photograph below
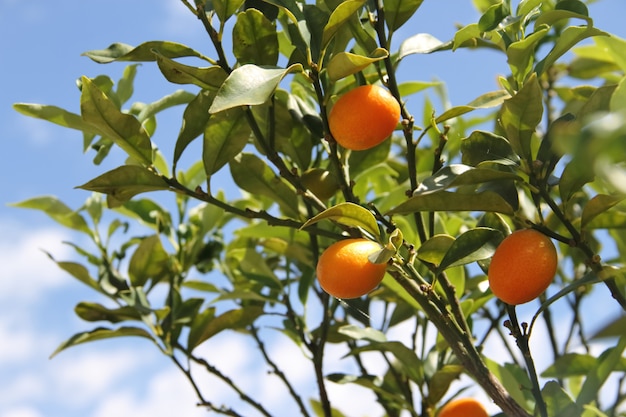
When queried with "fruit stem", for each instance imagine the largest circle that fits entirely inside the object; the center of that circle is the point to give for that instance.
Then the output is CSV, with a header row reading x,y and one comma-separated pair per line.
x,y
521,339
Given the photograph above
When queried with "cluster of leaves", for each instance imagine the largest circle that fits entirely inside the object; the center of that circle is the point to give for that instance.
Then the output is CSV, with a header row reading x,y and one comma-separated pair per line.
x,y
439,197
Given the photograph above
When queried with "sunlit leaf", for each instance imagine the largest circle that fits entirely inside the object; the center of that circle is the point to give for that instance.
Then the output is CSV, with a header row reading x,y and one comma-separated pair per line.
x,y
440,382
348,214
520,54
411,364
398,12
224,9
142,53
492,17
342,13
605,364
249,85
176,98
362,333
558,402
521,114
57,116
456,175
56,210
485,101
236,319
481,146
195,118
422,43
597,205
124,129
78,271
435,248
124,182
344,64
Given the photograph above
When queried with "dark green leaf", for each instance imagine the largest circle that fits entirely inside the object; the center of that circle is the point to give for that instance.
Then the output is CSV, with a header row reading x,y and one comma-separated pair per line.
x,y
124,182
454,201
230,320
520,54
411,364
348,214
474,245
254,39
439,383
493,16
578,172
195,119
101,333
456,175
141,53
206,77
78,271
252,174
249,85
435,248
521,114
398,12
150,260
481,146
570,365
56,210
226,135
124,129
98,312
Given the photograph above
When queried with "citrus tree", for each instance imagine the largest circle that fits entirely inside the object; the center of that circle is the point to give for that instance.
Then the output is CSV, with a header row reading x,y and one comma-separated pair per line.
x,y
349,178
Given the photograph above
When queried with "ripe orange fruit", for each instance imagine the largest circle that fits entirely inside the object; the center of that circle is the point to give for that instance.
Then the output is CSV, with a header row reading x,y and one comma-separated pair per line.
x,y
344,270
320,182
463,407
522,266
363,117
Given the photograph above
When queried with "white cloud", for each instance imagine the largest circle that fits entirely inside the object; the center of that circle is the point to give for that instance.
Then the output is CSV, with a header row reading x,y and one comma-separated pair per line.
x,y
27,272
23,412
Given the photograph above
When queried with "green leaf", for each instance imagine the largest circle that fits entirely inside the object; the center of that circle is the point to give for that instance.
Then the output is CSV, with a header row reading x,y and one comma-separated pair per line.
x,y
411,365
597,205
558,402
521,114
249,85
150,260
435,248
398,12
615,328
492,17
141,53
101,333
439,383
456,175
481,146
570,365
226,135
125,88
520,54
177,98
348,214
195,119
597,376
237,319
344,64
124,129
210,78
488,201
254,39
485,101
474,245
362,333
56,210
422,43
78,271
338,18
56,115
566,41
578,172
224,9
252,174
124,182
98,312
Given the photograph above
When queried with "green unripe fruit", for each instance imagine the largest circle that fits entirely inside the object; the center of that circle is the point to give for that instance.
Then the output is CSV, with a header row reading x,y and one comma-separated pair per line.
x,y
320,182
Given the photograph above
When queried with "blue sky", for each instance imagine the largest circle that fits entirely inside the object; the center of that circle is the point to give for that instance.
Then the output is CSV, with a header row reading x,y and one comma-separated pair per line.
x,y
40,44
